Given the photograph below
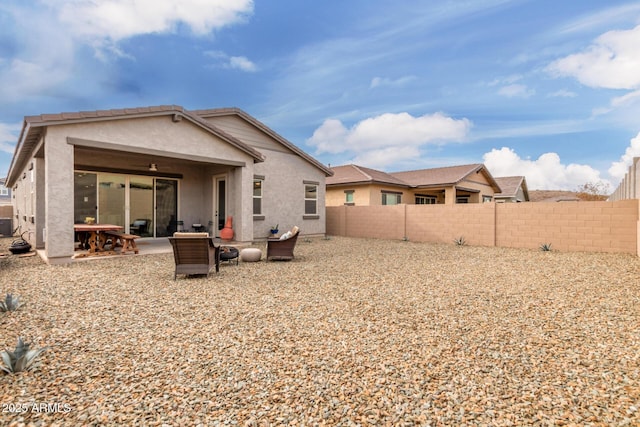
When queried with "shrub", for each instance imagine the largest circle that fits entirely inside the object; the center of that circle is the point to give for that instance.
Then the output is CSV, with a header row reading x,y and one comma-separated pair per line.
x,y
20,359
460,241
545,247
10,303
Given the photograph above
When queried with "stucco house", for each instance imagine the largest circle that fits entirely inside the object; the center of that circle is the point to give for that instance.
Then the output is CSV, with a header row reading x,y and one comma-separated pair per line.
x,y
361,186
514,189
165,166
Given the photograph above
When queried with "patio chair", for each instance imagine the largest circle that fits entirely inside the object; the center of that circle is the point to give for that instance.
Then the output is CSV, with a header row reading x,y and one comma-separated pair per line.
x,y
282,249
194,253
140,227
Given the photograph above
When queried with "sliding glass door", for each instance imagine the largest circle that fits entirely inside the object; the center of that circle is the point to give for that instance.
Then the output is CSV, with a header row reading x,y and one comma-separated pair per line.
x,y
111,199
141,205
166,207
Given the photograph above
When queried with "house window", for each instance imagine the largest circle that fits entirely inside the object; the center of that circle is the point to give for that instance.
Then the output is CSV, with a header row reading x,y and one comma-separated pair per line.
x,y
310,199
462,199
426,200
486,199
4,191
257,196
391,198
348,197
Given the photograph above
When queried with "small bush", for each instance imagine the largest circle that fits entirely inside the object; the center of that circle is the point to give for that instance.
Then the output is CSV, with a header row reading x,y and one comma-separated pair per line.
x,y
545,247
20,359
459,241
10,303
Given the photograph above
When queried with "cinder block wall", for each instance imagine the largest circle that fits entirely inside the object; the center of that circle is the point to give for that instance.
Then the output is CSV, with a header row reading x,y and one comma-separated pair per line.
x,y
444,223
568,226
571,226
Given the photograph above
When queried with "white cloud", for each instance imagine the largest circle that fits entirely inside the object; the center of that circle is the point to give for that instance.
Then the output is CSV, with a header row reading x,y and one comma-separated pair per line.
x,y
516,91
48,35
547,172
508,80
120,19
242,63
612,61
562,93
383,81
627,99
620,168
380,159
9,133
388,131
9,136
235,62
388,138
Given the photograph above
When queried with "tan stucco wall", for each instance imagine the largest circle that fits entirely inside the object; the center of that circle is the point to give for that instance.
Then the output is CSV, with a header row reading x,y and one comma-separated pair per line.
x,y
284,175
283,194
26,204
365,195
160,134
570,226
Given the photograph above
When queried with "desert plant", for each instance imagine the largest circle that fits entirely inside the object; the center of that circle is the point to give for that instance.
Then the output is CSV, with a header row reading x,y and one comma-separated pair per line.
x,y
20,359
10,303
459,241
545,247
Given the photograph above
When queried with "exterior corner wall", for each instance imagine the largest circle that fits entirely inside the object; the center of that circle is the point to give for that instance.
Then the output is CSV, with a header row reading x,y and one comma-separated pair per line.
x,y
285,174
58,197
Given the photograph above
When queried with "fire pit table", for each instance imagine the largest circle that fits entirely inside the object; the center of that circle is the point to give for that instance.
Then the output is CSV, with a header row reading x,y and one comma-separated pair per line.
x,y
229,253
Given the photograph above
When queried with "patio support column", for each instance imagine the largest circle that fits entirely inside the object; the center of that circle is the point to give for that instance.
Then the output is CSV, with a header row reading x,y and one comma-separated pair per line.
x,y
58,177
243,206
450,195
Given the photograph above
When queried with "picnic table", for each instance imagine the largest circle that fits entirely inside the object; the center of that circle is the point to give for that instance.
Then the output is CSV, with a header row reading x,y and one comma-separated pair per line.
x,y
97,235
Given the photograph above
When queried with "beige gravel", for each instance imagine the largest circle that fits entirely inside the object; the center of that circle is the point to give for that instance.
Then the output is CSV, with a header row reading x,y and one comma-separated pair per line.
x,y
352,332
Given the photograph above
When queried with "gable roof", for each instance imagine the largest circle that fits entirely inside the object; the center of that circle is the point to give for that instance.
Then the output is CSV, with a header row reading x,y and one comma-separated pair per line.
x,y
449,175
510,186
422,178
353,174
216,112
34,126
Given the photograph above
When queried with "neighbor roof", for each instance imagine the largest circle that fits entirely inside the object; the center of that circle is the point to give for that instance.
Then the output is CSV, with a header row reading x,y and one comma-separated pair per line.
x,y
510,186
436,177
449,175
353,174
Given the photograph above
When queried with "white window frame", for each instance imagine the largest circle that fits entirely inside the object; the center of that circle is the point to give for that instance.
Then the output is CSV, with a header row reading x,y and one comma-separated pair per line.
x,y
428,200
316,186
261,196
388,194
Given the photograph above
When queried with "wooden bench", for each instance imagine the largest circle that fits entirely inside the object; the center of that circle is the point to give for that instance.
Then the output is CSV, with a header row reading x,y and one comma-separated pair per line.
x,y
127,241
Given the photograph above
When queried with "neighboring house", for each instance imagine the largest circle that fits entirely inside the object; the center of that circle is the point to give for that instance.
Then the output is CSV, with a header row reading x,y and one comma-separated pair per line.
x,y
357,185
166,166
552,196
514,189
5,193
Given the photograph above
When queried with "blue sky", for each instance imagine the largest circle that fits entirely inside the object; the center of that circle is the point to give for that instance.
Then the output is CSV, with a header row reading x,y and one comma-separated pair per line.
x,y
545,89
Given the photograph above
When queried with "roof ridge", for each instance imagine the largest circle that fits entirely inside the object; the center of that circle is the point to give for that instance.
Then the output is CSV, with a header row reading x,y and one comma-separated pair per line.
x,y
439,167
359,169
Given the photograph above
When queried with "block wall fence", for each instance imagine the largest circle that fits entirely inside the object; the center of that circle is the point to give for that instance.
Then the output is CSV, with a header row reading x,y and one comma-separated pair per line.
x,y
568,226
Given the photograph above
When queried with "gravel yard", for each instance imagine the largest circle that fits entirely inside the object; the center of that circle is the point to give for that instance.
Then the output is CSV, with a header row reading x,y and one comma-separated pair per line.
x,y
352,332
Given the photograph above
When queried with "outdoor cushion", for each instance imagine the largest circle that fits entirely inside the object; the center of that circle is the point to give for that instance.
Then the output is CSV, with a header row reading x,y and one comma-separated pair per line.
x,y
185,234
286,235
250,255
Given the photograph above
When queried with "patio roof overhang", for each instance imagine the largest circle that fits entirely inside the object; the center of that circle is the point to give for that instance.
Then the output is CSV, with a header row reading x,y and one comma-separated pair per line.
x,y
35,127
